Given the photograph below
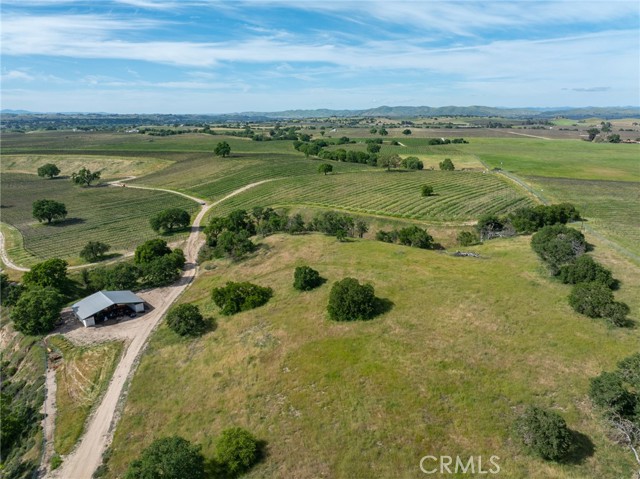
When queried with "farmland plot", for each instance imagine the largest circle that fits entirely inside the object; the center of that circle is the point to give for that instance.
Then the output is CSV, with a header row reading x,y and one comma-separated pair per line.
x,y
459,195
116,216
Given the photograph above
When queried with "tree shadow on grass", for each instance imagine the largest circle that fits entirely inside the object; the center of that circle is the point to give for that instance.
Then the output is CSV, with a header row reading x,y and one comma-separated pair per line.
x,y
67,222
382,306
581,449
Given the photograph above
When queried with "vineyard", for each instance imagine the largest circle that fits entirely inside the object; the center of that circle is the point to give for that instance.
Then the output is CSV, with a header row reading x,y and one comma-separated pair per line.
x,y
116,216
459,195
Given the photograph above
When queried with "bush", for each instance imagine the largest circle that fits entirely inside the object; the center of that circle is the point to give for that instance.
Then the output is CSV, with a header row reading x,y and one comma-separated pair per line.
x,y
447,165
427,190
467,238
415,236
590,299
168,458
306,278
585,270
349,301
237,450
557,245
544,433
232,244
608,392
94,251
236,297
186,320
412,163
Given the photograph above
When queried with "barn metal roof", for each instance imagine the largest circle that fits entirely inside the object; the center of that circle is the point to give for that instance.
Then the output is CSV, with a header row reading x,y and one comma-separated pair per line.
x,y
103,299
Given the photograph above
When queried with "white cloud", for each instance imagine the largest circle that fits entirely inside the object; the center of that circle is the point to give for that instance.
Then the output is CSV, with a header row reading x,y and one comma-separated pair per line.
x,y
16,75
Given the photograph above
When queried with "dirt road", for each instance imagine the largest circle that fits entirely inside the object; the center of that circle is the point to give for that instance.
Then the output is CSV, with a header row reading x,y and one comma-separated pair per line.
x,y
87,456
5,257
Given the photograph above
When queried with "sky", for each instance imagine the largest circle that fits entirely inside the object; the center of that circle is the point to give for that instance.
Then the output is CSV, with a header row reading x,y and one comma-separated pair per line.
x,y
217,56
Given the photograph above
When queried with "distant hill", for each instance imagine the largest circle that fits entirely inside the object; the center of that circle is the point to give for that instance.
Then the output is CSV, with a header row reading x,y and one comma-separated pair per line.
x,y
482,111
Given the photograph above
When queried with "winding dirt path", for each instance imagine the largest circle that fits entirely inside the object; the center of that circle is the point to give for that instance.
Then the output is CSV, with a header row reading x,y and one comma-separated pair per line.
x,y
5,257
87,455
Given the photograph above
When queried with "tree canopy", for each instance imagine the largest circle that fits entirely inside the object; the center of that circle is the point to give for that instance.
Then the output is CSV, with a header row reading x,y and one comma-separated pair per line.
x,y
237,450
168,458
94,251
48,210
306,278
48,170
222,149
186,320
37,311
84,177
545,433
150,250
236,297
48,273
325,168
349,301
447,165
170,219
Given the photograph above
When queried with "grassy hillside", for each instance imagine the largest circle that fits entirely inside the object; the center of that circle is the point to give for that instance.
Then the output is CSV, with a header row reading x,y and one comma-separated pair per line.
x,y
467,343
116,216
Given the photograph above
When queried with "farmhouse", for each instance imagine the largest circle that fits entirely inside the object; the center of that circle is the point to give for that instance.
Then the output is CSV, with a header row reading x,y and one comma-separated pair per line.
x,y
107,304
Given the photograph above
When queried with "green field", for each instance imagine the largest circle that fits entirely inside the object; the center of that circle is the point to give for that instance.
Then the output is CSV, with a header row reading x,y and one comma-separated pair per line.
x,y
459,196
116,216
467,344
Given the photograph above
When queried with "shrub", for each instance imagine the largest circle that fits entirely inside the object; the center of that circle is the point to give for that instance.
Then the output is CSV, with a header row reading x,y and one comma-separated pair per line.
x,y
232,244
237,450
557,245
349,301
387,236
236,297
412,163
415,236
585,270
186,320
427,190
447,165
306,278
544,433
608,392
590,299
168,458
467,238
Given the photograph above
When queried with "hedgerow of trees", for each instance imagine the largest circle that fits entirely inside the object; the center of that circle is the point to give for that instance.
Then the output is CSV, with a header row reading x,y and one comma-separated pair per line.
x,y
408,236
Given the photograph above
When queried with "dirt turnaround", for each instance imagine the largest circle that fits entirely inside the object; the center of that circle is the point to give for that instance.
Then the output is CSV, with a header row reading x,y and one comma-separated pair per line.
x,y
87,455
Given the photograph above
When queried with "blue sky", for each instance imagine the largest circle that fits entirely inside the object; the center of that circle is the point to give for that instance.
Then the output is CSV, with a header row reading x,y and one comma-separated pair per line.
x,y
208,56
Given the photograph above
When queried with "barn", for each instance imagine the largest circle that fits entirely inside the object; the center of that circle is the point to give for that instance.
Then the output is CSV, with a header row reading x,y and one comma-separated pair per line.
x,y
105,305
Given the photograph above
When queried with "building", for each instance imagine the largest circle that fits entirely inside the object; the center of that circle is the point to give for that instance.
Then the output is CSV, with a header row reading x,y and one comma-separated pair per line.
x,y
107,304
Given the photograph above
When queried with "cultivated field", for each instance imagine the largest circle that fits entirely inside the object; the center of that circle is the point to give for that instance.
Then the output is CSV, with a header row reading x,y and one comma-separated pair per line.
x,y
460,196
116,216
467,344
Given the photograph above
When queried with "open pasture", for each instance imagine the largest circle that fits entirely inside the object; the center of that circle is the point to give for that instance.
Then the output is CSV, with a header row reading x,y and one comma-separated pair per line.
x,y
116,216
559,158
467,344
612,208
459,195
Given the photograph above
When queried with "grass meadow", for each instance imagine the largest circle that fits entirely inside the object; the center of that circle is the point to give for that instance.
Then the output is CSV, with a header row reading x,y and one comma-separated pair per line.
x,y
466,345
81,379
116,216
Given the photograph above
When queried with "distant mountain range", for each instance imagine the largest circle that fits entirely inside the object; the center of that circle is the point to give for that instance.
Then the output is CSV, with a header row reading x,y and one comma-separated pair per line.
x,y
396,112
